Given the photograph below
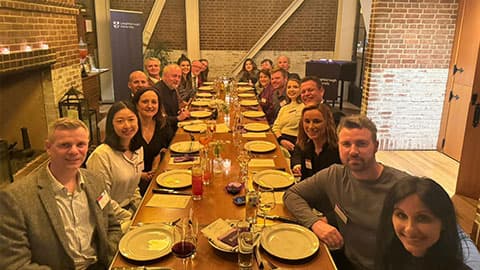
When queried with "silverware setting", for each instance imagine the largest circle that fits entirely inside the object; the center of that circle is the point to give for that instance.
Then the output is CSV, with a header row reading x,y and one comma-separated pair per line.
x,y
170,191
278,218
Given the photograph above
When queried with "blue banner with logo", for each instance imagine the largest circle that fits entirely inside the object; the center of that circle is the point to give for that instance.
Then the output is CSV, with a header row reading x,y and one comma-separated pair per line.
x,y
126,38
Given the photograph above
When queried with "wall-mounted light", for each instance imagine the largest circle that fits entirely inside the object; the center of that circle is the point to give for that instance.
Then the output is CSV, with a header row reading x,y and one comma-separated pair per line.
x,y
26,48
4,50
43,46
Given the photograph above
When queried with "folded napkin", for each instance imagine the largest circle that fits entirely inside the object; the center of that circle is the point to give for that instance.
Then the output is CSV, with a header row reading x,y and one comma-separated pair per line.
x,y
184,160
217,230
261,162
168,200
221,128
255,135
186,123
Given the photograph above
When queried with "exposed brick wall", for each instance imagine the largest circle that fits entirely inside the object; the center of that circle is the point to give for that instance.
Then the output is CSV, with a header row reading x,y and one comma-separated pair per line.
x,y
406,70
54,23
222,27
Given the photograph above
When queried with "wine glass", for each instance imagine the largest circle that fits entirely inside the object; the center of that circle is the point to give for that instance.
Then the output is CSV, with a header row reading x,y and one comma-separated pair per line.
x,y
205,139
266,201
185,240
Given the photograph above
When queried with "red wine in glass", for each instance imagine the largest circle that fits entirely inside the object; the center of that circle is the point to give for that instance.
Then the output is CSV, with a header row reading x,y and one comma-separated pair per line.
x,y
183,249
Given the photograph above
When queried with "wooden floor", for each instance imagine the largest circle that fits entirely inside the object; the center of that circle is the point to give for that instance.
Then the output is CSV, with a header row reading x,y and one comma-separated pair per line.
x,y
432,164
439,167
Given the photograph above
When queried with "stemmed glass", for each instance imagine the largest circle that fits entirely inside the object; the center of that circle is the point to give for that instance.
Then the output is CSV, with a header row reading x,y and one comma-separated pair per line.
x,y
185,240
243,160
266,201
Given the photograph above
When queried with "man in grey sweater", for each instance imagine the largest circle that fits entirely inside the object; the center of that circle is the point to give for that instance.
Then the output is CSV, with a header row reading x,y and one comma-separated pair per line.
x,y
355,191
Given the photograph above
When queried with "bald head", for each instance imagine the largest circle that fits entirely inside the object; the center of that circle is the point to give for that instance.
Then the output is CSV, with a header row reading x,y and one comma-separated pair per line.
x,y
283,62
137,80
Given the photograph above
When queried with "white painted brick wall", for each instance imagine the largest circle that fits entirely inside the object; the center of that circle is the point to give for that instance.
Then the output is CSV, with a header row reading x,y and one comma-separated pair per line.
x,y
406,105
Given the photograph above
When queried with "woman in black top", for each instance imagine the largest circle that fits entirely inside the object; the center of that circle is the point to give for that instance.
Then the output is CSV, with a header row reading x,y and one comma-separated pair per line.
x,y
154,133
316,146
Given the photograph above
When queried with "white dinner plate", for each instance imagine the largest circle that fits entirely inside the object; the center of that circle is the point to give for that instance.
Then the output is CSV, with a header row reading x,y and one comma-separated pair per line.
x,y
242,83
253,114
205,88
148,242
256,127
289,241
204,95
260,146
246,95
200,114
201,103
186,147
195,128
175,179
245,88
274,179
248,102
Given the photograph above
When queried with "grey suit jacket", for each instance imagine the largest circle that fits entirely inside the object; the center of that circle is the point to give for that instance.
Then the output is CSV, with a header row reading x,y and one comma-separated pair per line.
x,y
32,235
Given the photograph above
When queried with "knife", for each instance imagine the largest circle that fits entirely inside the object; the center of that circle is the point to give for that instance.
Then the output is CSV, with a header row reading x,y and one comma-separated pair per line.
x,y
278,218
169,191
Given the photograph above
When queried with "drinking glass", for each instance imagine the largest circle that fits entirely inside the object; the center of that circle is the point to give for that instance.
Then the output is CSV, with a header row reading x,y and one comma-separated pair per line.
x,y
266,201
197,182
185,241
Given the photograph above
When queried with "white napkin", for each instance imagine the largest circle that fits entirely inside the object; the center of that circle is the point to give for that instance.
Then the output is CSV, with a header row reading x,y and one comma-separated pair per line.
x,y
216,229
221,128
168,200
261,162
254,135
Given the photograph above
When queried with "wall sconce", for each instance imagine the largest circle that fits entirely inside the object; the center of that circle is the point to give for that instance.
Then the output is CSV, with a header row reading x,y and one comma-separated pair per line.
x,y
4,50
43,46
26,48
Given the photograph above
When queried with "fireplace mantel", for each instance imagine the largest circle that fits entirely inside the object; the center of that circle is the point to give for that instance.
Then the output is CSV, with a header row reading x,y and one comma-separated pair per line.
x,y
16,62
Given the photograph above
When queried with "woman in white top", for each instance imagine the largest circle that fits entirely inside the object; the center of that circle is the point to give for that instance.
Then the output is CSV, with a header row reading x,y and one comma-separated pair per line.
x,y
119,161
285,126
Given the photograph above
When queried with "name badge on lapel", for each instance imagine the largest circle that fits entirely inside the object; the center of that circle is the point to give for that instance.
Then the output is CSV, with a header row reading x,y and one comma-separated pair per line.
x,y
103,199
283,103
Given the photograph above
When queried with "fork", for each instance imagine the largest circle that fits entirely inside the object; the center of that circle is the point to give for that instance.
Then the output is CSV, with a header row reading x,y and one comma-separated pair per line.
x,y
192,139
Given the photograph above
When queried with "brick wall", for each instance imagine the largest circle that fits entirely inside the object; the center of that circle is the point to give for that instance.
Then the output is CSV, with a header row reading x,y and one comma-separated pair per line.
x,y
311,29
407,61
54,23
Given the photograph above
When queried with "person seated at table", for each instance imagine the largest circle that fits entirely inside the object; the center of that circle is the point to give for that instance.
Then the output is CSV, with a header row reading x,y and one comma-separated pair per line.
x,y
349,195
152,67
249,72
136,81
283,62
266,64
119,161
204,72
185,88
167,87
263,83
285,126
154,134
55,218
418,230
317,144
197,68
278,98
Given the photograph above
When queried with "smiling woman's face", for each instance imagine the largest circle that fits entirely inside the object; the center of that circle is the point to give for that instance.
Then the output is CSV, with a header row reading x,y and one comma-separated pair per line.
x,y
147,105
415,225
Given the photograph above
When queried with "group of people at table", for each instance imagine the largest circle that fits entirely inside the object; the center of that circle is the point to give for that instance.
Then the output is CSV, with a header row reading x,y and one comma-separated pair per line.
x,y
374,216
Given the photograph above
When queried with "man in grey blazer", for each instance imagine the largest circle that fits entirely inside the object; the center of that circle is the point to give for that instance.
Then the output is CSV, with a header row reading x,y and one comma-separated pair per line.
x,y
60,216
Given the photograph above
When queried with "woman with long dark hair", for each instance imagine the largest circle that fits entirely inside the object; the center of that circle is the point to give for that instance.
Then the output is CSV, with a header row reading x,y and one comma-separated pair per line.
x,y
119,160
154,133
418,229
185,89
249,72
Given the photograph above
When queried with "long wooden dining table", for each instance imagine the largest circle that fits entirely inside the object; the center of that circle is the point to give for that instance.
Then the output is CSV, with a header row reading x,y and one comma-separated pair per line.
x,y
217,203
